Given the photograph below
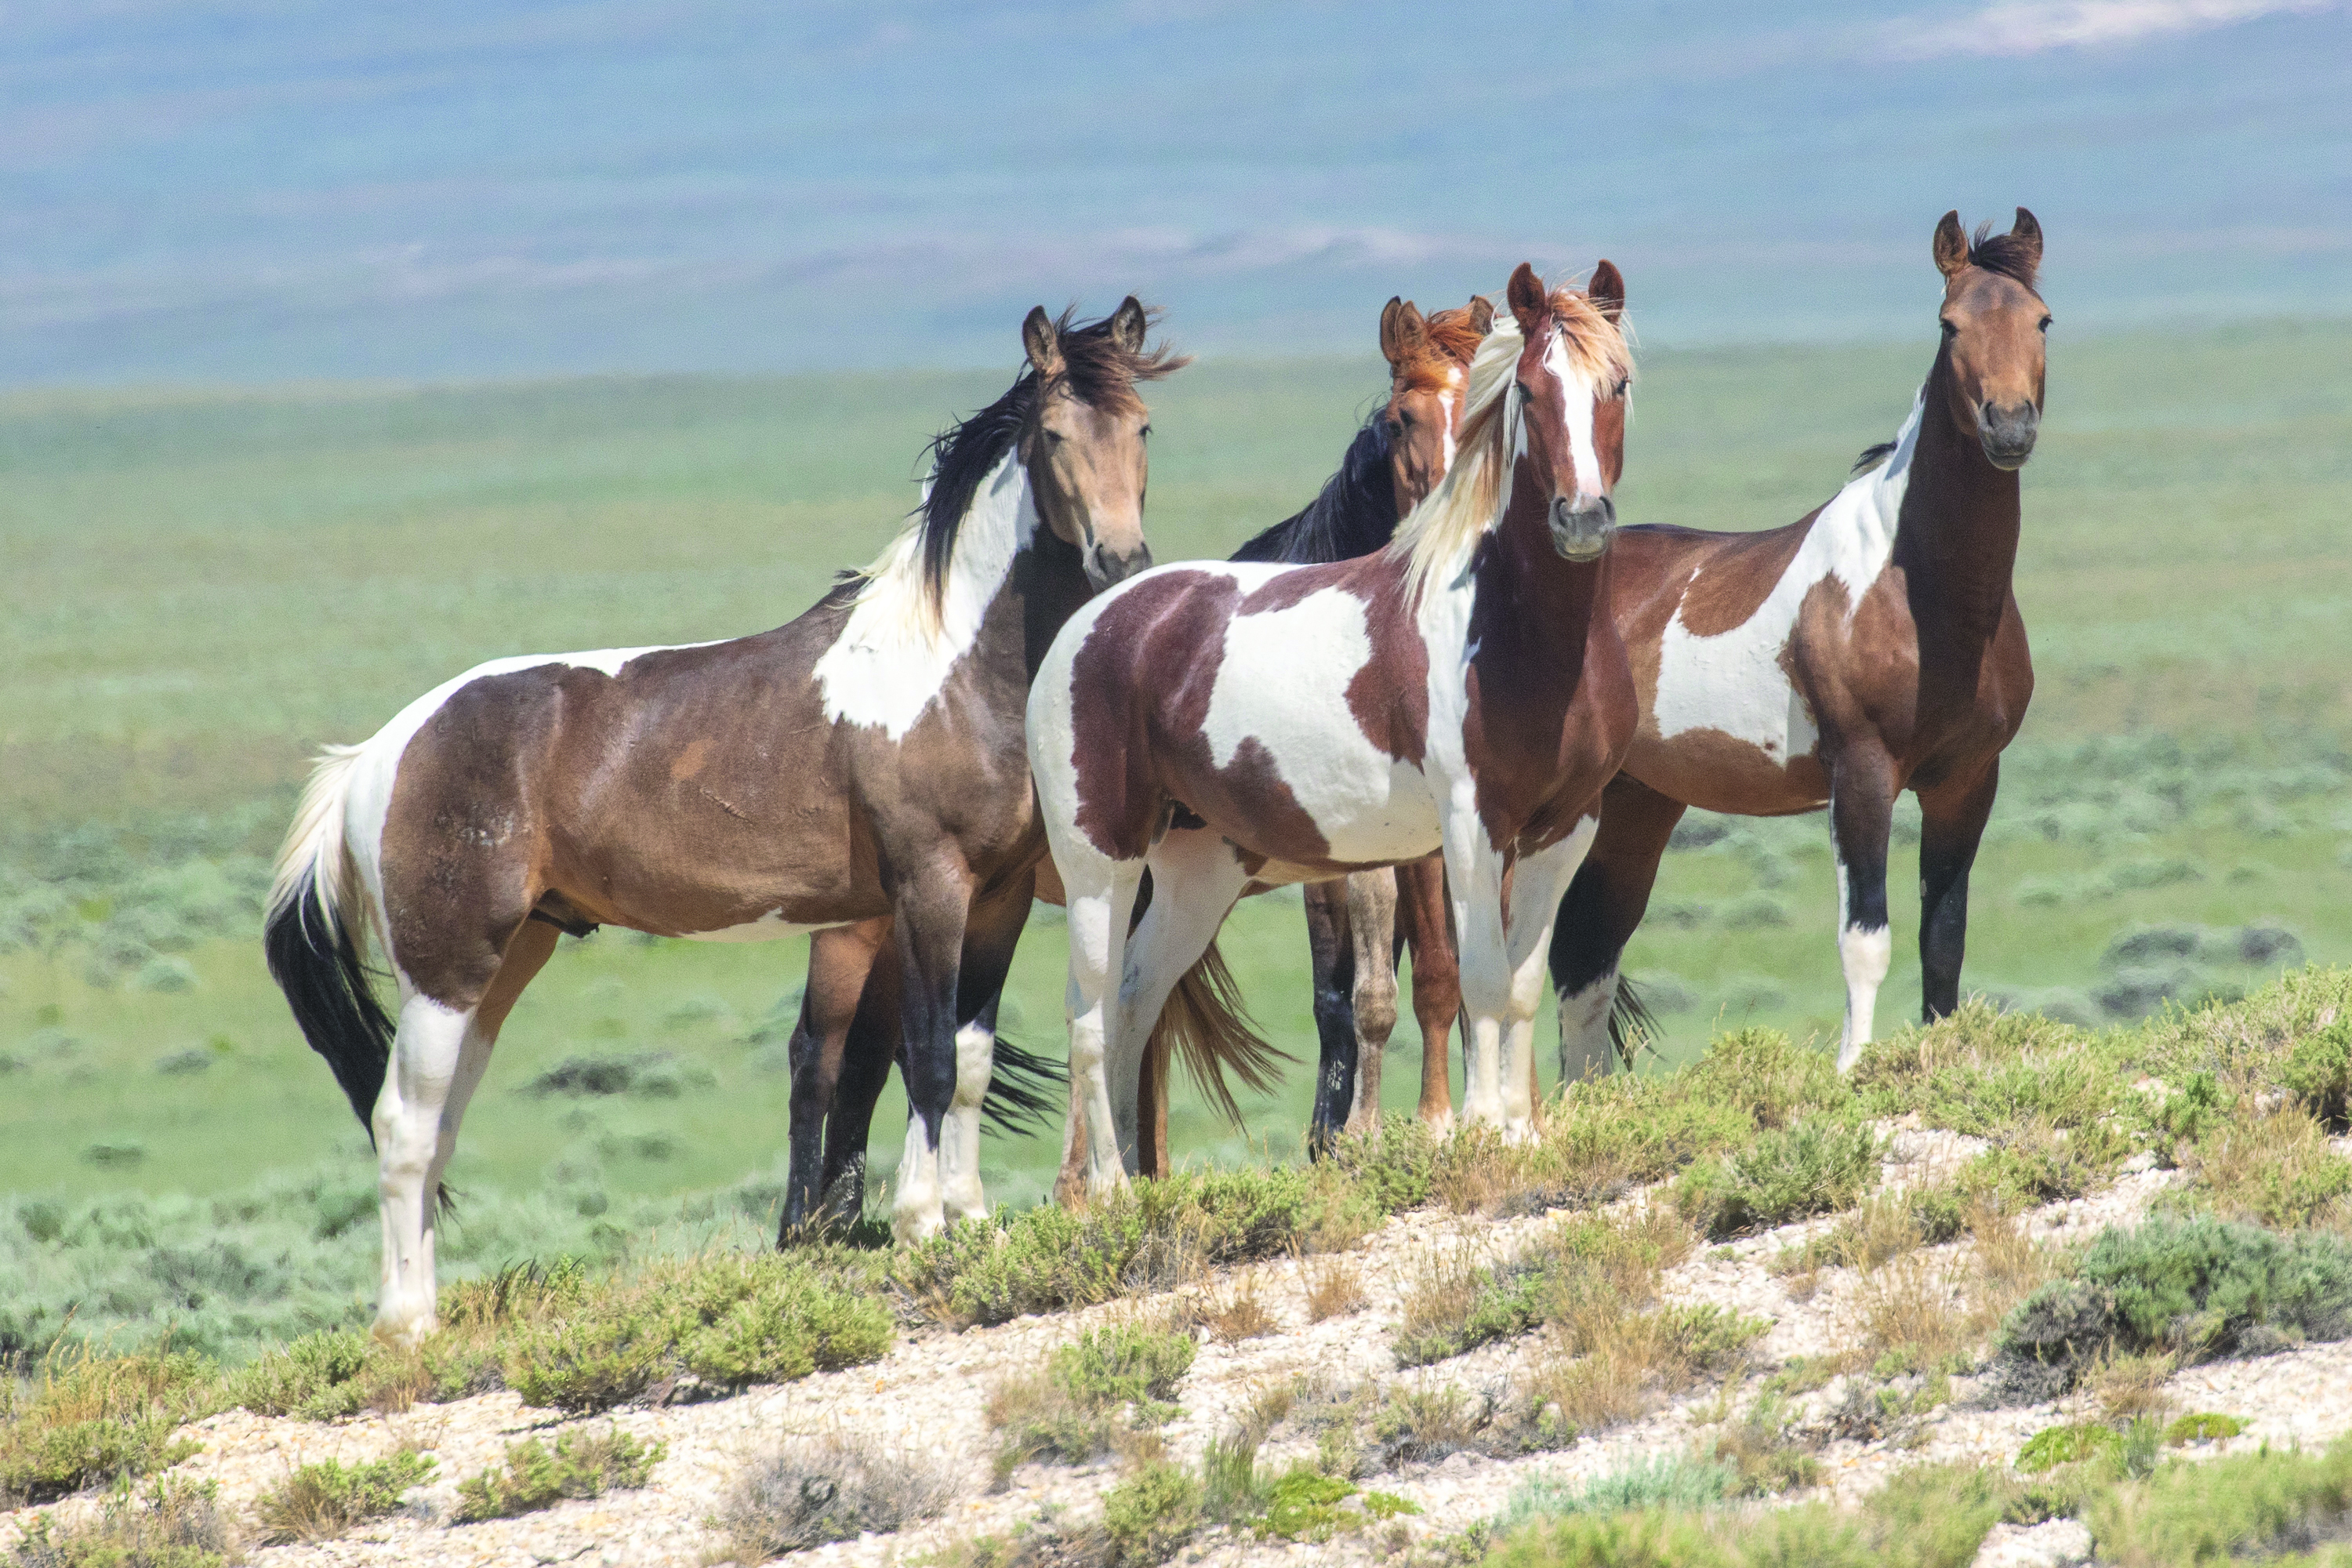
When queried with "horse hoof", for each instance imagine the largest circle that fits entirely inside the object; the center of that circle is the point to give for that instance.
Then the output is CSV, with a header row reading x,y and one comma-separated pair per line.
x,y
909,1226
1439,1125
402,1333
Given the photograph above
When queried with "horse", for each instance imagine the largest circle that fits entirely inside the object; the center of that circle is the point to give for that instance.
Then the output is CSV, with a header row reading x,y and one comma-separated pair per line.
x,y
1463,689
841,1046
866,758
1872,645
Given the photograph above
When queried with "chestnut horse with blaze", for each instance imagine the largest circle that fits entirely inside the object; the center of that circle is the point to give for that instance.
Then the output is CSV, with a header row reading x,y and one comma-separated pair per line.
x,y
865,759
1462,690
1870,647
848,1034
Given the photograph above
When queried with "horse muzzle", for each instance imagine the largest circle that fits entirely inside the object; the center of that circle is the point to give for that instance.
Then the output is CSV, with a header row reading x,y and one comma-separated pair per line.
x,y
2008,434
1105,567
1581,533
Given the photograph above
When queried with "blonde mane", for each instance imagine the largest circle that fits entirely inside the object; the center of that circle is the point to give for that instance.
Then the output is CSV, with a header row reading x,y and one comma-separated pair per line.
x,y
1437,536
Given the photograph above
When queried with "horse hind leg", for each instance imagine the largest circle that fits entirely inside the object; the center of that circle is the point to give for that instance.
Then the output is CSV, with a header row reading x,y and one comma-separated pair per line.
x,y
439,1054
1331,954
1372,925
840,962
1195,879
1426,925
1602,908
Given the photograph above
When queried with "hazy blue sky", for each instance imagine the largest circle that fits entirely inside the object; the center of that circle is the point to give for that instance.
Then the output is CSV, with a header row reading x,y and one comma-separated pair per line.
x,y
199,190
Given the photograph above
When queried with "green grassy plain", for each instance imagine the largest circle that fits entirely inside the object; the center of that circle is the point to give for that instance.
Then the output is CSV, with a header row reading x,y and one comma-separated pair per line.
x,y
201,587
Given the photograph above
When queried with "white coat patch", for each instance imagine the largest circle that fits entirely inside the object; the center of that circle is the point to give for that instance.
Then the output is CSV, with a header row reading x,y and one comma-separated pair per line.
x,y
1284,683
889,662
1732,681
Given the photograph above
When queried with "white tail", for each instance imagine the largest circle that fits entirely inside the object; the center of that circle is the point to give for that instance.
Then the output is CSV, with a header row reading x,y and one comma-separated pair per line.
x,y
316,854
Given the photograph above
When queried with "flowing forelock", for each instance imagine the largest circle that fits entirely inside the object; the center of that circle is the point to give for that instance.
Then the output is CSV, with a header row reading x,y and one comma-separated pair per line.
x,y
2010,255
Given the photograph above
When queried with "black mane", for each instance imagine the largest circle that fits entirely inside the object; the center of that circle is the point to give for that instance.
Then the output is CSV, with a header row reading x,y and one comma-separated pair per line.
x,y
2011,255
1354,515
1872,457
961,456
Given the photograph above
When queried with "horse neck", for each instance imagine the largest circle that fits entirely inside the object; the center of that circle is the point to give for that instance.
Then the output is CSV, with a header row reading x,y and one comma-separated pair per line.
x,y
1955,537
1532,608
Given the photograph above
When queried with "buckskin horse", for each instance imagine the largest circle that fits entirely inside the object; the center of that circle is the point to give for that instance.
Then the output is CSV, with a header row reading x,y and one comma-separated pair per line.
x,y
1871,647
842,1048
865,759
1463,689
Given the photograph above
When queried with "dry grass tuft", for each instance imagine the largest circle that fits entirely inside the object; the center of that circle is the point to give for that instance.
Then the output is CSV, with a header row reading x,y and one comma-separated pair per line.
x,y
2129,1386
2274,1169
1334,1283
321,1501
1238,1313
822,1489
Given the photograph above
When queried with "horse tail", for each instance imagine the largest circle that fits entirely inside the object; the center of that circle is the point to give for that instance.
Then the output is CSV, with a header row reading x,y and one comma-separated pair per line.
x,y
1631,1024
1026,1089
1206,1021
317,930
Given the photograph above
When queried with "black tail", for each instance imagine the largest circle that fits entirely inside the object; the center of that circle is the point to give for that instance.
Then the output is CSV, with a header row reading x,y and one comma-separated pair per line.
x,y
316,962
1631,1023
1025,1091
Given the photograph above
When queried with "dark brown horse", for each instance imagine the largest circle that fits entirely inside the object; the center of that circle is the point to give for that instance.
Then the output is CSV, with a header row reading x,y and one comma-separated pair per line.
x,y
1872,647
1464,690
842,1049
866,759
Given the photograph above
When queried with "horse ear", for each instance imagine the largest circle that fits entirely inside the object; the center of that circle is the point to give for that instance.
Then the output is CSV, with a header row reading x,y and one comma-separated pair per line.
x,y
1951,244
1038,338
1127,325
1607,289
1481,314
1530,305
2027,232
1401,331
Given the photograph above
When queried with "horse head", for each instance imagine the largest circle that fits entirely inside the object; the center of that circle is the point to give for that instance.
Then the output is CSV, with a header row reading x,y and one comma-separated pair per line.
x,y
1570,384
1995,328
1084,437
1428,369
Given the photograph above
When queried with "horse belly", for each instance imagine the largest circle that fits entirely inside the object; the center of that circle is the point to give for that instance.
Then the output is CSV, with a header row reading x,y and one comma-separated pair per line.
x,y
1725,728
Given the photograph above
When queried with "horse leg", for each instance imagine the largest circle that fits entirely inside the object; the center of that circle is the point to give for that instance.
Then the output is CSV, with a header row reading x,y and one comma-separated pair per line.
x,y
929,917
438,1056
1330,949
1952,823
867,1052
839,960
1603,907
1099,894
1861,812
1195,879
1371,926
1425,924
990,936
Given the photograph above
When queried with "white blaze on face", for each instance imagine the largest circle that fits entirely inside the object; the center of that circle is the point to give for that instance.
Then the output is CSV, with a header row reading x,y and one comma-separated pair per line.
x,y
889,662
1448,402
1283,683
1577,390
1732,681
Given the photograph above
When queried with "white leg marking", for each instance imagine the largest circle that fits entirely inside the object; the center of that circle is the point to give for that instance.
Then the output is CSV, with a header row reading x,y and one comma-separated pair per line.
x,y
1538,884
959,1188
1101,893
1865,955
1585,1049
413,1133
915,1210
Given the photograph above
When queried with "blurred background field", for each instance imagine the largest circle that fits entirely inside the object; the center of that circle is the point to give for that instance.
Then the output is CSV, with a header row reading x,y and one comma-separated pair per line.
x,y
201,587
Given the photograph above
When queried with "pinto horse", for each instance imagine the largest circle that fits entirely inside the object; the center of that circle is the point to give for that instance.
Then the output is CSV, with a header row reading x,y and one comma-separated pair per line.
x,y
1872,647
1463,689
866,758
846,1036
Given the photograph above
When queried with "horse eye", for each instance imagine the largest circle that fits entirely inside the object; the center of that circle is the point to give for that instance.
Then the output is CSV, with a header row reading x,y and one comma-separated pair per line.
x,y
2044,324
1053,437
1622,382
1147,432
1950,331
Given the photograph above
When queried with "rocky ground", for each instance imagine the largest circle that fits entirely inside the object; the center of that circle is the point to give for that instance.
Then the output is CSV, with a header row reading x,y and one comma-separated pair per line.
x,y
925,1398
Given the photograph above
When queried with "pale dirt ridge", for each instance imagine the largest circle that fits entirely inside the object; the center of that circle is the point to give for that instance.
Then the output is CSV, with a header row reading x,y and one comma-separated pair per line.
x,y
926,1397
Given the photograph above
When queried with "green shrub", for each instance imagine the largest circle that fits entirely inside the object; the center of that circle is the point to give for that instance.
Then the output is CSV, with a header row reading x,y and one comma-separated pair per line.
x,y
1150,1516
2204,1426
593,1360
320,1502
1124,1363
317,1377
1069,1410
2243,1506
2203,1288
2318,1072
81,1418
2055,1446
173,1524
580,1465
1661,1481
1815,1167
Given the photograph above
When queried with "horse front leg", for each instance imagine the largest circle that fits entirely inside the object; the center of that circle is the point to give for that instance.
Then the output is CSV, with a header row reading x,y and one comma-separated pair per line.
x,y
1371,927
1598,916
929,917
1331,951
1425,924
990,936
1952,824
1506,921
1861,815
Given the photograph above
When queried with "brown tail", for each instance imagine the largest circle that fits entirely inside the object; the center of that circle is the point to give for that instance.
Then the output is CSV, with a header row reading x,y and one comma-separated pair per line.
x,y
1206,1020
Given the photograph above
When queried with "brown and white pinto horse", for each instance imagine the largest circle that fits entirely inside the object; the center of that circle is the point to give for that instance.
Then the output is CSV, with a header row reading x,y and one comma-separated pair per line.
x,y
1463,689
848,1034
865,759
1872,647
